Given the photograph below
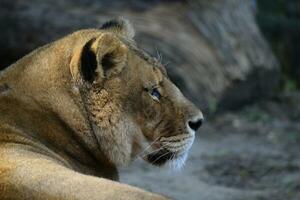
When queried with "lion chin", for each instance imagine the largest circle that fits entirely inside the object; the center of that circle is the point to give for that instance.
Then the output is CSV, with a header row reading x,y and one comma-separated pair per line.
x,y
168,159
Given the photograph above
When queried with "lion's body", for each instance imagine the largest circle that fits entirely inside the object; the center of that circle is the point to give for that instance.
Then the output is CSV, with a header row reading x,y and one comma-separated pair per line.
x,y
37,93
36,133
51,145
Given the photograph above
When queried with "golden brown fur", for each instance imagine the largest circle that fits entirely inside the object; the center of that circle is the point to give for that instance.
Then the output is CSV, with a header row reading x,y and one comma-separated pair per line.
x,y
72,111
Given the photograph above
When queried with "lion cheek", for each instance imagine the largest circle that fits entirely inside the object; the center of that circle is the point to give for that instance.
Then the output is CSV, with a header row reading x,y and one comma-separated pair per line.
x,y
117,140
111,143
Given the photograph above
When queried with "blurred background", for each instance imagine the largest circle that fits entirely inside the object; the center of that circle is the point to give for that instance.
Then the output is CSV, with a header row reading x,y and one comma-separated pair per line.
x,y
238,60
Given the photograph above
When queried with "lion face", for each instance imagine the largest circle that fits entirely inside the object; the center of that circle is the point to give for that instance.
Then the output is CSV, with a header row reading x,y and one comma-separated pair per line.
x,y
166,118
133,107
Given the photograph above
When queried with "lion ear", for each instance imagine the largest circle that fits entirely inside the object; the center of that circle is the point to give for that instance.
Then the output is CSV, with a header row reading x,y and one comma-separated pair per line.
x,y
100,58
120,26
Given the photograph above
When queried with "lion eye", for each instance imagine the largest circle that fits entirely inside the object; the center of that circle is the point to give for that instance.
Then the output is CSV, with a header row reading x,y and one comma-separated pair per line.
x,y
155,94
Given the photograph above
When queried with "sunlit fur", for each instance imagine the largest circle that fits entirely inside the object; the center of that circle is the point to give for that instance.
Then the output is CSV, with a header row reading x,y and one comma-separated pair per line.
x,y
61,117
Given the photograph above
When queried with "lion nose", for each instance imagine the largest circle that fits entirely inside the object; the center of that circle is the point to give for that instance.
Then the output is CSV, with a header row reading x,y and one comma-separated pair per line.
x,y
196,123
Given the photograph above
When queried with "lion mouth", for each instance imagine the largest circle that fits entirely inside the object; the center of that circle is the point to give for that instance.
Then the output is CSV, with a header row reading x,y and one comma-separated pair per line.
x,y
161,157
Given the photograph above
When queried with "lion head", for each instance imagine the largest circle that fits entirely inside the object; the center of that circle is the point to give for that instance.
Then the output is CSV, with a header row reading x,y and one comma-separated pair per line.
x,y
132,105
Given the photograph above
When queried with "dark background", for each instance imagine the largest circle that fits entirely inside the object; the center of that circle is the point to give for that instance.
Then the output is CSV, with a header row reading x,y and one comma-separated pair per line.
x,y
238,60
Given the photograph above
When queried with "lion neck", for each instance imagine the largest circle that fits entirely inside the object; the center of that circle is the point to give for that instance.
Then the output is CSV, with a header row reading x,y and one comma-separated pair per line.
x,y
44,104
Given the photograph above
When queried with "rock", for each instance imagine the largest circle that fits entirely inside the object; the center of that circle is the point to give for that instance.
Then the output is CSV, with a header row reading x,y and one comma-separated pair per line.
x,y
280,23
213,50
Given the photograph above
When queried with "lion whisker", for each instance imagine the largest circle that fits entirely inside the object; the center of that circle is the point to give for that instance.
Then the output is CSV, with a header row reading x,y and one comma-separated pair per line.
x,y
156,150
160,157
150,145
159,55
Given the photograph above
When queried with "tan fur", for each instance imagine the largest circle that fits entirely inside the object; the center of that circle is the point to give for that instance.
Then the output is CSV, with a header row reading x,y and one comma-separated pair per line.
x,y
62,137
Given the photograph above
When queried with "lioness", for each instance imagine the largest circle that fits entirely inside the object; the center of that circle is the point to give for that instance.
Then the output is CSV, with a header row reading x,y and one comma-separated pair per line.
x,y
74,110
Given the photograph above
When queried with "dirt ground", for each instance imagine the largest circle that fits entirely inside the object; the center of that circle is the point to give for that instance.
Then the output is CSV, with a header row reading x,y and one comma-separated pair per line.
x,y
252,154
